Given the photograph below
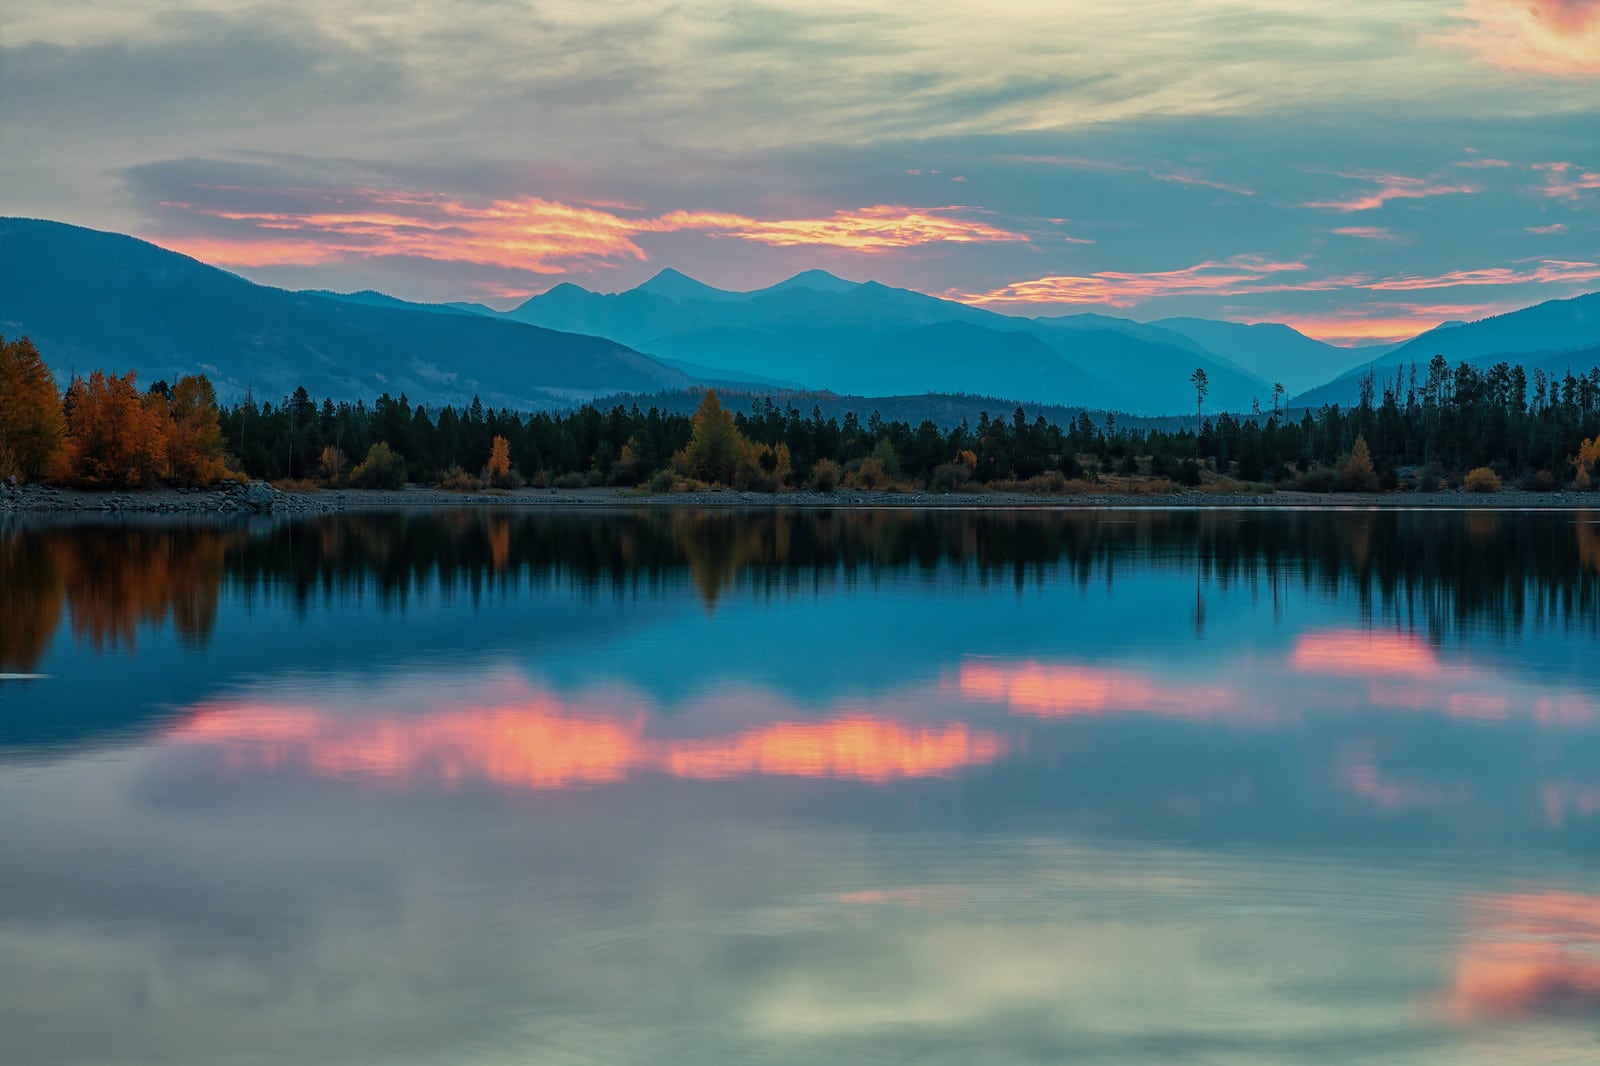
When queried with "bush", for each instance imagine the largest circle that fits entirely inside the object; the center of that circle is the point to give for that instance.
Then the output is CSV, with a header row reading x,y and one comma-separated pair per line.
x,y
569,480
662,481
458,480
1539,481
1317,479
869,475
383,468
948,477
825,475
1481,479
1188,473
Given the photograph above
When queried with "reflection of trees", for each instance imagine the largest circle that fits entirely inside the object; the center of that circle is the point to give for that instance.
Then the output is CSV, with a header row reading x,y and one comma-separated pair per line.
x,y
1437,572
109,580
30,601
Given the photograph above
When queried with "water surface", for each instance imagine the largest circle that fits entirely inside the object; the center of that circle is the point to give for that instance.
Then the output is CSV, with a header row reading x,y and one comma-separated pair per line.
x,y
510,787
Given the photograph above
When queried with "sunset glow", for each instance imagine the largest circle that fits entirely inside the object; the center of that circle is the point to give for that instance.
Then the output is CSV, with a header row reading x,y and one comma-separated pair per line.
x,y
1527,955
542,742
1046,690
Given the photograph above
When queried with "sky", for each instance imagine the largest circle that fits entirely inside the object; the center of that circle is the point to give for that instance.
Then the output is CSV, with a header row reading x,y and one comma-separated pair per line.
x,y
1361,170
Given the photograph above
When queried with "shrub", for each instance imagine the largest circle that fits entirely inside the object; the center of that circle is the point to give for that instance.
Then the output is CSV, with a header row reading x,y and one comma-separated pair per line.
x,y
458,480
1317,479
869,475
948,477
569,480
1355,471
1539,481
661,481
383,468
825,475
594,479
1481,479
1188,473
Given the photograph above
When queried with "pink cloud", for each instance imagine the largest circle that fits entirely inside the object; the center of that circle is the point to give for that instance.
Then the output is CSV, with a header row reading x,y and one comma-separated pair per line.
x,y
1367,233
1189,177
1483,164
1229,277
1548,271
1566,181
1389,187
1557,38
1554,227
531,233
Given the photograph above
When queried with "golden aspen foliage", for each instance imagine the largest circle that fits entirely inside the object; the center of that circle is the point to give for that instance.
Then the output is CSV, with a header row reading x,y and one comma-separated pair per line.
x,y
194,434
499,458
114,437
31,421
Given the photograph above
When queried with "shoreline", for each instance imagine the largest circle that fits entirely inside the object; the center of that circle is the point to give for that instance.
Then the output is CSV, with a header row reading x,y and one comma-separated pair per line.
x,y
258,498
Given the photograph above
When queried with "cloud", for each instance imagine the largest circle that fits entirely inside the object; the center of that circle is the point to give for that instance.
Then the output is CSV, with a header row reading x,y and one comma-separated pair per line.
x,y
1189,177
1566,181
307,226
1257,274
1390,187
1367,233
1228,277
1547,272
1556,38
1554,227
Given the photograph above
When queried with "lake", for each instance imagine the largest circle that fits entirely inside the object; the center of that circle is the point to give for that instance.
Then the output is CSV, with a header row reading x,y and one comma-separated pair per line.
x,y
487,787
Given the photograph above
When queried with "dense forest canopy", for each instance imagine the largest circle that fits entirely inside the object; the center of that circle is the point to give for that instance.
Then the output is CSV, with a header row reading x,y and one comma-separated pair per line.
x,y
1423,428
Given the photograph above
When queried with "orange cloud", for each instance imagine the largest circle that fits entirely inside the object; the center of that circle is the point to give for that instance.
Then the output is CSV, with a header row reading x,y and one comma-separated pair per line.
x,y
1390,187
1054,691
539,742
1527,955
1548,271
538,235
1560,38
1229,277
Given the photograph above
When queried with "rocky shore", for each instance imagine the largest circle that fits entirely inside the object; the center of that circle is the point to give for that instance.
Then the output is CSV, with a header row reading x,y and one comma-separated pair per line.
x,y
258,497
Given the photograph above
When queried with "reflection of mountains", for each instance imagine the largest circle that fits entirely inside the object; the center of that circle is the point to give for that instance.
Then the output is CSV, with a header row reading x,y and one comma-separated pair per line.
x,y
1432,571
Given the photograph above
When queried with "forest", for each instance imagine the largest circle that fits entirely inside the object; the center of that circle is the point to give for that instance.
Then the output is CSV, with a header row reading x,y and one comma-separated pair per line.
x,y
1422,430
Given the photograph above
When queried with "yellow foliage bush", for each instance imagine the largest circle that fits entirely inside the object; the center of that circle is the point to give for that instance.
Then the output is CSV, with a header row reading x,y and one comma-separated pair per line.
x,y
1481,479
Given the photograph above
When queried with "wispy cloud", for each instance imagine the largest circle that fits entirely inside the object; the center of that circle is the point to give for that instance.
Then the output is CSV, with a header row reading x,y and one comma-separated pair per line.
x,y
1567,181
1554,227
1560,38
1255,274
1190,177
1110,288
1367,233
1388,187
529,233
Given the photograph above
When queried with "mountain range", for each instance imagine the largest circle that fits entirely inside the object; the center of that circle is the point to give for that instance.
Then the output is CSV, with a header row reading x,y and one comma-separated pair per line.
x,y
101,300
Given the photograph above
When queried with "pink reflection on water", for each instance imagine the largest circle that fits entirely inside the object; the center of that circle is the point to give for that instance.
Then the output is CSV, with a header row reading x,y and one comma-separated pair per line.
x,y
539,741
1527,955
1046,690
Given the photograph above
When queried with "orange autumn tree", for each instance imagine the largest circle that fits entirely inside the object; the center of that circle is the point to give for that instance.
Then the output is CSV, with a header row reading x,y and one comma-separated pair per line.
x,y
499,473
31,423
115,437
194,434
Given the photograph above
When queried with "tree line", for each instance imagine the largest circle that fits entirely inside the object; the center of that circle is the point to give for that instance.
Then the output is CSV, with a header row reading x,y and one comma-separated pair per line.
x,y
1419,430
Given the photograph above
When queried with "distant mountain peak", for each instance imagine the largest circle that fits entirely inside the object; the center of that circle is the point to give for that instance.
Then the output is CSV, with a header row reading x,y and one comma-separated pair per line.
x,y
817,280
676,285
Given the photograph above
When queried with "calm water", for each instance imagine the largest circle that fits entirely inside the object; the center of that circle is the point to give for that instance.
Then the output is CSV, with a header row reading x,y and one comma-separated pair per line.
x,y
522,788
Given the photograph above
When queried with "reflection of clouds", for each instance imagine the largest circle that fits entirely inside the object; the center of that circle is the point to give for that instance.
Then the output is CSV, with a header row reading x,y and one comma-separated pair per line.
x,y
531,739
1048,690
1403,671
1527,955
1365,653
